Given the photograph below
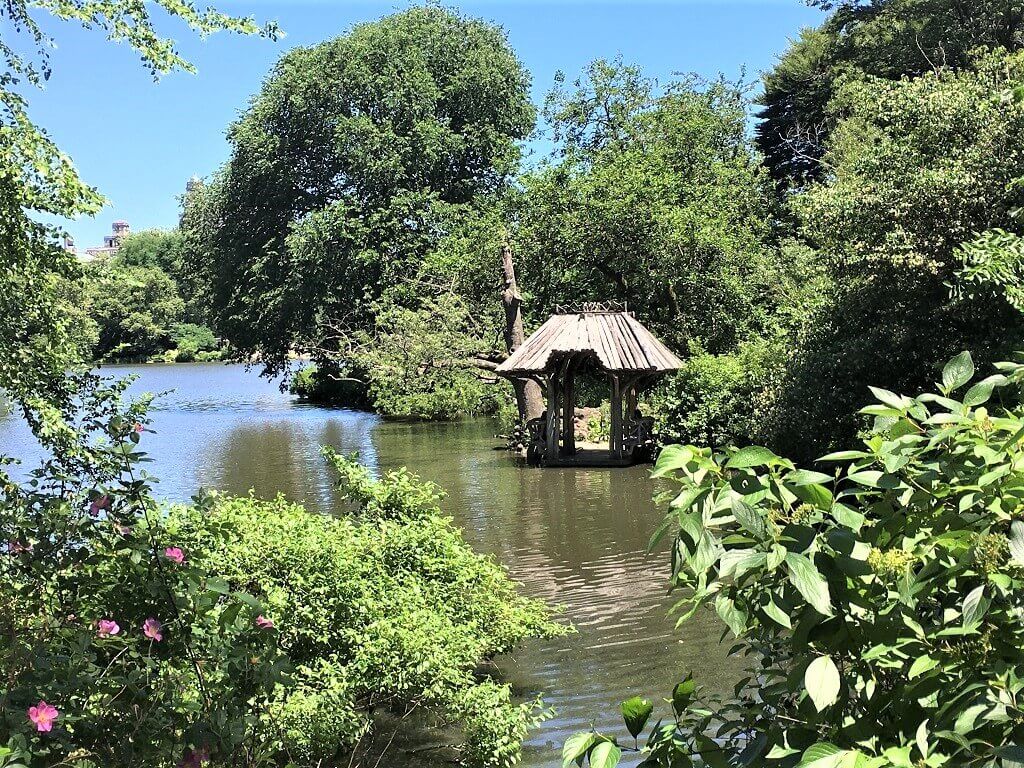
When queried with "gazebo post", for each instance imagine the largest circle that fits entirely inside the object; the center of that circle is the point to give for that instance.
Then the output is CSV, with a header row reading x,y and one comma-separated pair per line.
x,y
569,407
552,425
615,435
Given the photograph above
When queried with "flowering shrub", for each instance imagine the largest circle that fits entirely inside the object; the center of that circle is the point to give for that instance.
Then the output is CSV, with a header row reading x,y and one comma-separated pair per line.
x,y
116,649
234,631
882,601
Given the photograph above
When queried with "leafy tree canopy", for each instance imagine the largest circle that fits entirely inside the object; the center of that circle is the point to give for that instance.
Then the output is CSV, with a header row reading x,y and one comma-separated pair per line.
x,y
654,198
346,170
882,38
915,168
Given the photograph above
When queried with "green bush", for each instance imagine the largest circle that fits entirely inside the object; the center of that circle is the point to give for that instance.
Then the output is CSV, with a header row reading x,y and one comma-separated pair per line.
x,y
719,400
384,608
191,339
326,384
254,633
881,601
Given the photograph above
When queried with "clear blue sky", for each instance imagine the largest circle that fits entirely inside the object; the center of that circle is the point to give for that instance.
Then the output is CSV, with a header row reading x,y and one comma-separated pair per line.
x,y
139,141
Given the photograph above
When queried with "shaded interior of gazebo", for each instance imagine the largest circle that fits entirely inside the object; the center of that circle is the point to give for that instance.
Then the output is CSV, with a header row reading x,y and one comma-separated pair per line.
x,y
616,344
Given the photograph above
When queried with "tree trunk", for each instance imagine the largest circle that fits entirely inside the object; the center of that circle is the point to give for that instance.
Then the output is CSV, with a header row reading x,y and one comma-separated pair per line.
x,y
528,395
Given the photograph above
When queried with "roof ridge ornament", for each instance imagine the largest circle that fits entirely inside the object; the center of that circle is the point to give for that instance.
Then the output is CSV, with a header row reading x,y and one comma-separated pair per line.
x,y
591,307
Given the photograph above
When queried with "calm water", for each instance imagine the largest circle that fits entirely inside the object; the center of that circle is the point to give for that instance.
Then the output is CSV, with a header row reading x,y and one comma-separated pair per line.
x,y
574,537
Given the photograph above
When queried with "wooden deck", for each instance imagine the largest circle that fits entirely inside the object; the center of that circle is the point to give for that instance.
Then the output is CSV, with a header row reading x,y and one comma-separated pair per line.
x,y
592,455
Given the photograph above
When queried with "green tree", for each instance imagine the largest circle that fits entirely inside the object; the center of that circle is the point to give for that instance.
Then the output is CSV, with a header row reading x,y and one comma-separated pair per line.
x,y
887,39
879,603
654,199
916,168
166,250
350,165
135,308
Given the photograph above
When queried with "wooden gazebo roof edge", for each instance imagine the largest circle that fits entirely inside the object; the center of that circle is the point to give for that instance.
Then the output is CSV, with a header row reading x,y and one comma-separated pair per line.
x,y
618,340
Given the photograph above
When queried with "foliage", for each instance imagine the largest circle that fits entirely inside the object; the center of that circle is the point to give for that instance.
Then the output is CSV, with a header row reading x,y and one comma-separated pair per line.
x,y
326,384
106,619
167,250
38,180
720,400
347,169
655,199
888,39
881,602
386,607
917,167
192,340
135,307
992,264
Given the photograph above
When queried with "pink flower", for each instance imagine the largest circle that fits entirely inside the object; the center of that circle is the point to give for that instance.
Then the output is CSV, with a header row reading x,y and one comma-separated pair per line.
x,y
16,547
137,427
194,758
153,629
263,622
103,502
43,715
124,530
107,627
175,555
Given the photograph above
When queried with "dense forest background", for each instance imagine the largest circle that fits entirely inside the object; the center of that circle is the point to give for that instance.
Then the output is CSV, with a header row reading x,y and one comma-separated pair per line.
x,y
852,220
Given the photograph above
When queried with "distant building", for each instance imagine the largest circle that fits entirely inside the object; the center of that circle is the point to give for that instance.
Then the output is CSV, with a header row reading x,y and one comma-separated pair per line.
x,y
111,243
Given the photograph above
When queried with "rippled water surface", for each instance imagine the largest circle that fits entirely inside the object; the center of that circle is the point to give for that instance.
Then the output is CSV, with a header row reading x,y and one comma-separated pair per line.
x,y
574,537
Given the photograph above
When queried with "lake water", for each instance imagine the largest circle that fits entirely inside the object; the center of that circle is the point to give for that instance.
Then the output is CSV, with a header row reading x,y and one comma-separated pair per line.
x,y
573,537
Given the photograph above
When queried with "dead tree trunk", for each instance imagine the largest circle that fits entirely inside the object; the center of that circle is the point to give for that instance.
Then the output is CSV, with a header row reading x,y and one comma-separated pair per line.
x,y
528,395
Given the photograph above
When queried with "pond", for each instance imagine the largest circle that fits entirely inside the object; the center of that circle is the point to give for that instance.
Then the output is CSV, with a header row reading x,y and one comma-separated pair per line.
x,y
574,537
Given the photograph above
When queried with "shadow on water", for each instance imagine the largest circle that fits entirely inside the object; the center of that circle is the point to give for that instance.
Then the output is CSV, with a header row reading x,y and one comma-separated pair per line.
x,y
574,537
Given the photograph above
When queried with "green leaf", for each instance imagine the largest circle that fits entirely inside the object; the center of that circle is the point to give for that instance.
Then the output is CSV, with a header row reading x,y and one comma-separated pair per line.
x,y
576,747
752,456
809,583
778,615
975,606
605,755
821,679
682,694
748,517
1017,542
982,391
730,614
957,371
921,665
635,713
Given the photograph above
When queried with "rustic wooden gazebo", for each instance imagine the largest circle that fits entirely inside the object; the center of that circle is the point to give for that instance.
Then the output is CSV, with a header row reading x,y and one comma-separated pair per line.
x,y
610,339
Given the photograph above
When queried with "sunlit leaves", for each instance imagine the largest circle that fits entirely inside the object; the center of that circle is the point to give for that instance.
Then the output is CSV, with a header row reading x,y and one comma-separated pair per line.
x,y
821,679
635,713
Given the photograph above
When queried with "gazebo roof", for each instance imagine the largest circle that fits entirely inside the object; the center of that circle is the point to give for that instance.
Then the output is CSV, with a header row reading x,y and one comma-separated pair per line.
x,y
617,339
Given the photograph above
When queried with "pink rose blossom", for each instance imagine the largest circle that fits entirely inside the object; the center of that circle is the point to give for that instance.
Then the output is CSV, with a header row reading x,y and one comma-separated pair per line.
x,y
103,502
137,427
175,555
194,758
107,627
43,715
263,622
153,629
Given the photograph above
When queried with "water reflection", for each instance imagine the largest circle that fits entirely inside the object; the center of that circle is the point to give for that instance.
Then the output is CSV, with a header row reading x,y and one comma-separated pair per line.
x,y
573,537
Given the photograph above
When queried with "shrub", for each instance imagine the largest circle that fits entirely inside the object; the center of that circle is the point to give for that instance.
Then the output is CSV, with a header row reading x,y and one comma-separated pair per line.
x,y
719,400
250,633
326,384
191,339
882,601
384,608
108,623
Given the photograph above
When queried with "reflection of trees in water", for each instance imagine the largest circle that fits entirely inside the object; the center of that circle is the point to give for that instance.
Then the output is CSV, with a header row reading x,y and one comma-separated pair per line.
x,y
284,457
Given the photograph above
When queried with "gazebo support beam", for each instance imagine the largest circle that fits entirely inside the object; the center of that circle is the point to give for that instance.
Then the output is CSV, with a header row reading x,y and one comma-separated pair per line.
x,y
615,432
569,406
551,450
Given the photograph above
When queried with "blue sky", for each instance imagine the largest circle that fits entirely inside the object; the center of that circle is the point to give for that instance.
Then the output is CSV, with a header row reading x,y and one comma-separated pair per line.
x,y
139,141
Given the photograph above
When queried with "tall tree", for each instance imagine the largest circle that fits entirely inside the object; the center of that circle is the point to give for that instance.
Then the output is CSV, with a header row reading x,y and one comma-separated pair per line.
x,y
654,198
348,168
888,39
916,168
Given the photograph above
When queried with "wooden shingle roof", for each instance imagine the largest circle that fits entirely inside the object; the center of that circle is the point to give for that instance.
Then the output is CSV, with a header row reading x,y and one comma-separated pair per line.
x,y
617,339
